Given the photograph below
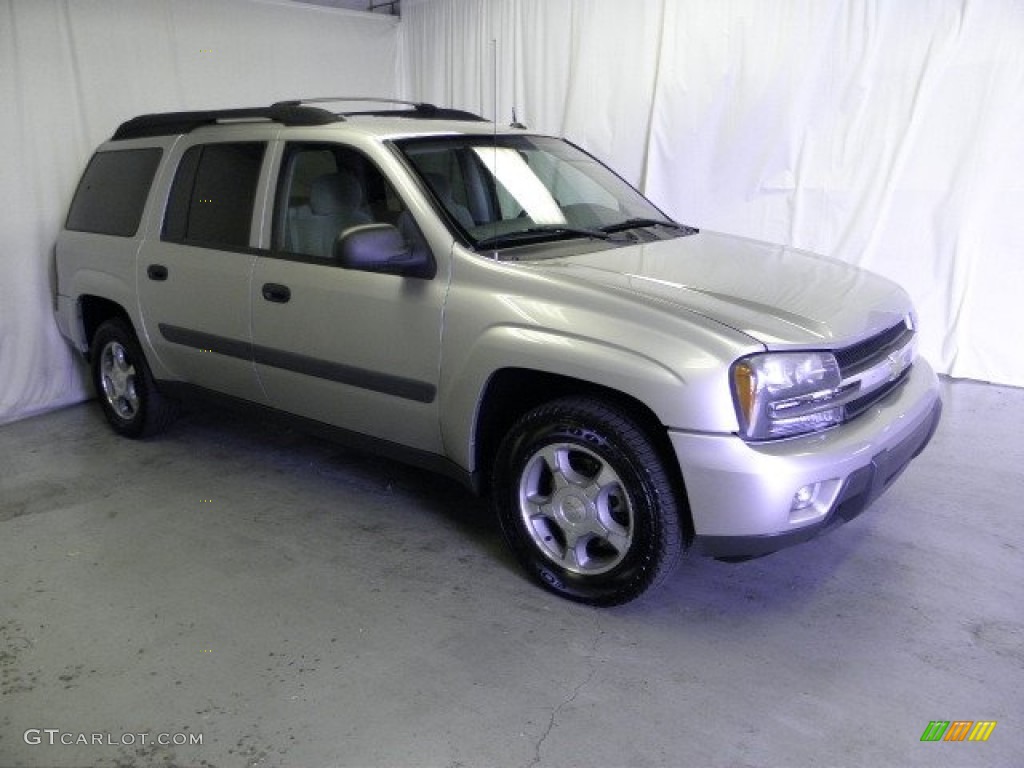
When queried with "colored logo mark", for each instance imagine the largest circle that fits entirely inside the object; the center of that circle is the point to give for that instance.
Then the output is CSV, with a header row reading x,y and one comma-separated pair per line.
x,y
958,730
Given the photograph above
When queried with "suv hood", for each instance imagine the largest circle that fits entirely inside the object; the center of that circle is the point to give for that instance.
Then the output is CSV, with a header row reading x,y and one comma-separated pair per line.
x,y
777,295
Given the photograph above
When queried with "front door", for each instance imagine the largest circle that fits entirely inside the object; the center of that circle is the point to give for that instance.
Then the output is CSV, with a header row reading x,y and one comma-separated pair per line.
x,y
352,349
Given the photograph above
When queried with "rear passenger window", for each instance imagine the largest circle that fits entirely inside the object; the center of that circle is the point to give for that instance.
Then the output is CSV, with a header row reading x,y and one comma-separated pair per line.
x,y
113,191
213,194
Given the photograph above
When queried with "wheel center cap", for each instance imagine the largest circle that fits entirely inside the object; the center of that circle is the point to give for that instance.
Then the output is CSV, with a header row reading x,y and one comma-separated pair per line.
x,y
574,509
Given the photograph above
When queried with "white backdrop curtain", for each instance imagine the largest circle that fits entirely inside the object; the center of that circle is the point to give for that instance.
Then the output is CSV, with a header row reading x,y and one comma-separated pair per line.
x,y
72,70
886,134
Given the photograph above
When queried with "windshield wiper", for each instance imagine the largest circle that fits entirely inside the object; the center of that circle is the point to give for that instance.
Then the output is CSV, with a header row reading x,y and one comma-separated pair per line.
x,y
640,222
539,233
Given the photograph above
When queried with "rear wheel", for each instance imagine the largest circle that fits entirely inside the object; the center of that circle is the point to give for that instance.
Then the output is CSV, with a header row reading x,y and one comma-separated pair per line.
x,y
124,384
585,503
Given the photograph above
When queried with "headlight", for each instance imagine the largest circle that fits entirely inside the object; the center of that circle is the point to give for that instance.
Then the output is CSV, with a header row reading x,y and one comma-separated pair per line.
x,y
781,394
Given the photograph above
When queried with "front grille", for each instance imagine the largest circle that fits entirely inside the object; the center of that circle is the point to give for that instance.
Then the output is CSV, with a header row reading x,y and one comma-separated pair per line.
x,y
856,407
869,368
864,354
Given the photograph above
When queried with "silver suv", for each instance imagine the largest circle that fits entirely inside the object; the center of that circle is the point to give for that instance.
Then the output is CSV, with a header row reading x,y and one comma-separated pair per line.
x,y
501,307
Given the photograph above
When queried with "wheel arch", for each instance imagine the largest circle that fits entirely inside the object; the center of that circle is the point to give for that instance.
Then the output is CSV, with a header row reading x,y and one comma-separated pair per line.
x,y
512,392
93,312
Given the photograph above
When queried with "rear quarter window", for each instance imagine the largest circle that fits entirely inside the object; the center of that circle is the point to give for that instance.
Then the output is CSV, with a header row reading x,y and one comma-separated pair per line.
x,y
113,191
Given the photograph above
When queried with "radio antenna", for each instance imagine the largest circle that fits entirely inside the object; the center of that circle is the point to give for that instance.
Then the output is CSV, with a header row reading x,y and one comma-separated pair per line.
x,y
494,130
515,60
494,97
515,64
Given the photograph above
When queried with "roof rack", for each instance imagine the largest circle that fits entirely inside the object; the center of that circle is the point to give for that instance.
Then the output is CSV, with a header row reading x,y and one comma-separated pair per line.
x,y
169,123
294,112
417,109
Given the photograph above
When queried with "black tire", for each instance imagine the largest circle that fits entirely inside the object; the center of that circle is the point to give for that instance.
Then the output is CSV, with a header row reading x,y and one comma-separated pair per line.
x,y
124,383
603,526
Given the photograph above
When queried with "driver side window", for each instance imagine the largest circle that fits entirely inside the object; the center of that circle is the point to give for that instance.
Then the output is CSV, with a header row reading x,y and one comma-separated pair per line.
x,y
326,189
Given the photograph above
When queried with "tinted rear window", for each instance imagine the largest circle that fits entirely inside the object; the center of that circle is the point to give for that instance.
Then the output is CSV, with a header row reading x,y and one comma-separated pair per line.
x,y
212,198
113,192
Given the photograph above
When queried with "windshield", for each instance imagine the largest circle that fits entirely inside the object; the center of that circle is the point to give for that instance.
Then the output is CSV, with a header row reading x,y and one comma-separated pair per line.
x,y
501,191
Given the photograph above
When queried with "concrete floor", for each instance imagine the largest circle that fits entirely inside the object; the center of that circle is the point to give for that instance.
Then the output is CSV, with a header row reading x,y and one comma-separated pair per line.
x,y
296,604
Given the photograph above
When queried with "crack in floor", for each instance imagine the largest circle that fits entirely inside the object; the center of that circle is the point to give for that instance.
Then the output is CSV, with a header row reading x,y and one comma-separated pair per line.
x,y
568,700
554,716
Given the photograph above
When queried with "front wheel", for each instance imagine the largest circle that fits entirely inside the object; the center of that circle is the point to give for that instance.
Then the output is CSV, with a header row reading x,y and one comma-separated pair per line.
x,y
124,384
585,503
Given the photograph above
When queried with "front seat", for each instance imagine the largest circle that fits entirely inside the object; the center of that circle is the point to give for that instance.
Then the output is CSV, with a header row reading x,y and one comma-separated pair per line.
x,y
443,189
336,202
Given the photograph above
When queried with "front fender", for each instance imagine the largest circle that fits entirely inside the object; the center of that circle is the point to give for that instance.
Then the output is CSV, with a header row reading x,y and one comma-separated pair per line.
x,y
694,396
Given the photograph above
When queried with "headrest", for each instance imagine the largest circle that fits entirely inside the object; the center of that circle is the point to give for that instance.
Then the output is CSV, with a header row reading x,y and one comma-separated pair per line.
x,y
440,183
335,193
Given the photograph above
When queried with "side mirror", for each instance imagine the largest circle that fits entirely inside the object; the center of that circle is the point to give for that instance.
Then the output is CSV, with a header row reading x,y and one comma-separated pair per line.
x,y
381,248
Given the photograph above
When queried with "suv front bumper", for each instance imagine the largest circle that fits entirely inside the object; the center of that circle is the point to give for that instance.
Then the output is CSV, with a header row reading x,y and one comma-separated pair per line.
x,y
743,496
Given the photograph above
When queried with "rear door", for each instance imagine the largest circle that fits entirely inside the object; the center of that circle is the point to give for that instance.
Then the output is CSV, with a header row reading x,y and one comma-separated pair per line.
x,y
353,349
194,282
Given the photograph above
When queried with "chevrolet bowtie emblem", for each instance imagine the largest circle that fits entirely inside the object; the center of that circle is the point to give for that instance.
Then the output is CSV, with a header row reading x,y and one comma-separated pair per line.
x,y
896,365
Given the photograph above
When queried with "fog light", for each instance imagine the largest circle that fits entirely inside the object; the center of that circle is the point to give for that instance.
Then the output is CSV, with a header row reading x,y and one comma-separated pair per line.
x,y
813,501
804,497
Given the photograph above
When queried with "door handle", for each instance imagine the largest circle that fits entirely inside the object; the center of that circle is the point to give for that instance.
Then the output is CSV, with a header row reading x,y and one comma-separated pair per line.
x,y
157,272
276,292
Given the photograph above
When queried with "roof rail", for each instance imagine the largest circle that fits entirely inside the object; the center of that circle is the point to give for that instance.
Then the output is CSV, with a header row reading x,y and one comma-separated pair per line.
x,y
417,109
170,123
294,112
